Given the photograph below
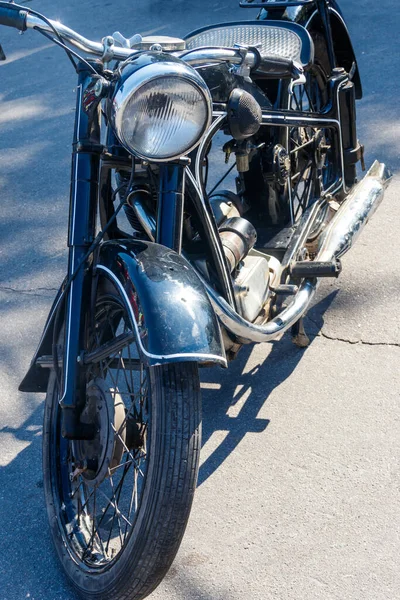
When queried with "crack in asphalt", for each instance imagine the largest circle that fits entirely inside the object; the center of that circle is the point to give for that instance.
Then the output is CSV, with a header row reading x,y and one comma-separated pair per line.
x,y
321,333
28,291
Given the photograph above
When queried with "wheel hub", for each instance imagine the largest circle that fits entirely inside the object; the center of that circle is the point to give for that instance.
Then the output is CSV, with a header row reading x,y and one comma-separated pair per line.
x,y
105,408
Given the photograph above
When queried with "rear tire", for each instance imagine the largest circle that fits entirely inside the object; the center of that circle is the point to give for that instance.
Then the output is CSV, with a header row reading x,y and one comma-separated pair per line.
x,y
139,556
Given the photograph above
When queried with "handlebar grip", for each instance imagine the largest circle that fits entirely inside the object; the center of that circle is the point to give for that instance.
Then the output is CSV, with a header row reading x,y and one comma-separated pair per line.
x,y
275,67
13,16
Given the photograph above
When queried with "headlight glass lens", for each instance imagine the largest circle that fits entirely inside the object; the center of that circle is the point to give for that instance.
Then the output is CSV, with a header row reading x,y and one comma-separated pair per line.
x,y
165,118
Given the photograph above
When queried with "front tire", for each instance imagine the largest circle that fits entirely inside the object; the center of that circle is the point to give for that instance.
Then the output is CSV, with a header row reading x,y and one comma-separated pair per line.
x,y
117,540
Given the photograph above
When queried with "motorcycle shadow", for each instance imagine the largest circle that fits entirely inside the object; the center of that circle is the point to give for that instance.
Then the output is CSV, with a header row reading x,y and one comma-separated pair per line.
x,y
233,398
28,567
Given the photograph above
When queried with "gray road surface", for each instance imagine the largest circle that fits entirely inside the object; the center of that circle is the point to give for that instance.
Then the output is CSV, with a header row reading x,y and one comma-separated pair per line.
x,y
298,495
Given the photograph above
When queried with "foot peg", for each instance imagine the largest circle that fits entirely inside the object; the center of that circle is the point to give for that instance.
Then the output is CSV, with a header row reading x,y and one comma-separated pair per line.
x,y
312,269
285,290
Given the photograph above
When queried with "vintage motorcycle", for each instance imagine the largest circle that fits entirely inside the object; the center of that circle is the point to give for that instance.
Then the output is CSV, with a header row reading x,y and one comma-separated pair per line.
x,y
179,276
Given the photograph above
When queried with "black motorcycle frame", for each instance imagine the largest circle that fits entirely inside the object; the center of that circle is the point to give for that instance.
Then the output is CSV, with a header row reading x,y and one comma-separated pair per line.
x,y
91,164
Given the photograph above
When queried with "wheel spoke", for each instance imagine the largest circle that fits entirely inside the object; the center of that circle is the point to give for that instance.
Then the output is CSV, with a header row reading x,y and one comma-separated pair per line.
x,y
73,494
125,446
116,504
90,545
130,371
133,462
304,143
87,500
119,486
133,499
102,504
115,507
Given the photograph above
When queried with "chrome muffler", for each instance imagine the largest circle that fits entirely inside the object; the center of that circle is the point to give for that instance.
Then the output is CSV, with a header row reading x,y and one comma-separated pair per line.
x,y
339,236
351,218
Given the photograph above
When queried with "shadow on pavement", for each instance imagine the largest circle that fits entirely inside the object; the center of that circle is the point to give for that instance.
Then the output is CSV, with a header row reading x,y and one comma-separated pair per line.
x,y
187,587
25,535
255,389
27,563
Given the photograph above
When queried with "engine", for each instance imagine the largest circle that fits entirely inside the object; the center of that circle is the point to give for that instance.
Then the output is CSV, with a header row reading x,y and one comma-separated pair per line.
x,y
250,269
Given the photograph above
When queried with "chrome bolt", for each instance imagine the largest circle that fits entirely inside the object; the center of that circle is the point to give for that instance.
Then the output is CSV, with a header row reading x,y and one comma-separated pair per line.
x,y
98,88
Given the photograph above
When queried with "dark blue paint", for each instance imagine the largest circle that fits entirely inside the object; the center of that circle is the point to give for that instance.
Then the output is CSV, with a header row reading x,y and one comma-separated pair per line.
x,y
170,206
82,214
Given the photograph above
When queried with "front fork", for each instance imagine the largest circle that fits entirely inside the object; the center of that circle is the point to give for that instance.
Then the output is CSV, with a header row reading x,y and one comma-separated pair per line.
x,y
170,206
82,219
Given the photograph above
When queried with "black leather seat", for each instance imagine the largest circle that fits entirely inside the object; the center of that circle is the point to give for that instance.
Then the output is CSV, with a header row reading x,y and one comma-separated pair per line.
x,y
277,39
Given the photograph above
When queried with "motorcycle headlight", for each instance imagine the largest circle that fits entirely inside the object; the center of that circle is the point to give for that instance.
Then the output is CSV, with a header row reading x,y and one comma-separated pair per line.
x,y
161,110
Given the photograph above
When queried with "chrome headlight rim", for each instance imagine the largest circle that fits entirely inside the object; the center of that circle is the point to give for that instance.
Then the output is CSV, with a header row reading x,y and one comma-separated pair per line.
x,y
146,75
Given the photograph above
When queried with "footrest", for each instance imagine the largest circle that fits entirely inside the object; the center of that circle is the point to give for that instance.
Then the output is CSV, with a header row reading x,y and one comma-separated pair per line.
x,y
311,269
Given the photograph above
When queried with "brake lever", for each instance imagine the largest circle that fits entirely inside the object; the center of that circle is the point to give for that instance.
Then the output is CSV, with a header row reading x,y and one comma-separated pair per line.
x,y
2,55
301,79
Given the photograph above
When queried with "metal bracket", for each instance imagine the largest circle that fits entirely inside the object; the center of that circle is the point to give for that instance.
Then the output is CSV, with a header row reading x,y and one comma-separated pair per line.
x,y
244,69
108,49
354,155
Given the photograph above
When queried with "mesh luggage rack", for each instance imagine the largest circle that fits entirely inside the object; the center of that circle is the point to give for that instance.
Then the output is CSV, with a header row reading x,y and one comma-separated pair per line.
x,y
276,39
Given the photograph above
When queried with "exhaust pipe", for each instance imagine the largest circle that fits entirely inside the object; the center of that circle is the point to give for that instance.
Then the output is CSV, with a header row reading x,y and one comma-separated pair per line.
x,y
351,218
340,235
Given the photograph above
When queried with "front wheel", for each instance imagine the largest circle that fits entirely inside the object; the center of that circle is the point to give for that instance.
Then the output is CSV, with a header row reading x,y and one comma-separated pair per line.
x,y
118,504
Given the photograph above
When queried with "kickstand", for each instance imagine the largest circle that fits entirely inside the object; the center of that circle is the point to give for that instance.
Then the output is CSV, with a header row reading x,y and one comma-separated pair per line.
x,y
299,336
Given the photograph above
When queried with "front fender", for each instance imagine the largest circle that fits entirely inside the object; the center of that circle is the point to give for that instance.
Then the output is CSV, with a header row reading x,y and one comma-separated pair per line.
x,y
159,284
178,316
37,378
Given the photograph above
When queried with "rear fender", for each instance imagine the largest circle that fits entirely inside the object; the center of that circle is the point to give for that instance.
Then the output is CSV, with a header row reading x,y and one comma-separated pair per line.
x,y
308,17
343,45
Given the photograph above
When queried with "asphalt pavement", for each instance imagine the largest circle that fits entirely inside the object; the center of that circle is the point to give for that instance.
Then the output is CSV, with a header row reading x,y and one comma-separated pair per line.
x,y
298,495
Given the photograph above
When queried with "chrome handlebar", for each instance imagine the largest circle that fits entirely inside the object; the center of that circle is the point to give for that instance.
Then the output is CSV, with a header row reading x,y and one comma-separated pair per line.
x,y
202,56
73,38
108,50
